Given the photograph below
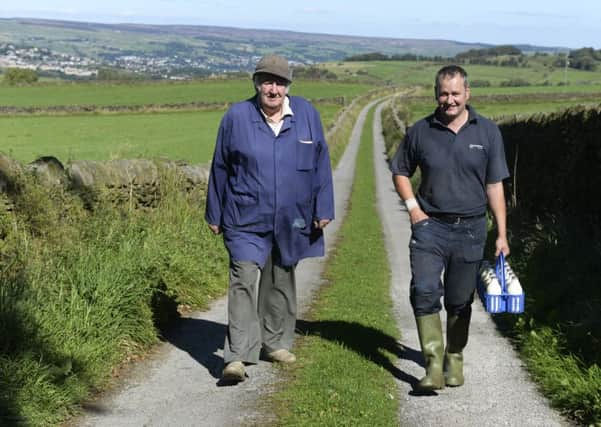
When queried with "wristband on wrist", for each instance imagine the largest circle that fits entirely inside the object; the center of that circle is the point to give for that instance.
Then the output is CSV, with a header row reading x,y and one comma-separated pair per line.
x,y
411,204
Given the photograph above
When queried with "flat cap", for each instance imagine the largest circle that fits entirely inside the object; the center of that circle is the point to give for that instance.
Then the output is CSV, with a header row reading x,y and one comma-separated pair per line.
x,y
276,65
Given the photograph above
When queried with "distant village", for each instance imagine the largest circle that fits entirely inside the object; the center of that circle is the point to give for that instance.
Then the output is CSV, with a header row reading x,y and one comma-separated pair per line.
x,y
45,61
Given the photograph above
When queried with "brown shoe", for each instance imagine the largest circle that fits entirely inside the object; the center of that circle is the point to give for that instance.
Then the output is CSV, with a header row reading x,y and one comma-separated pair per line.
x,y
281,356
234,371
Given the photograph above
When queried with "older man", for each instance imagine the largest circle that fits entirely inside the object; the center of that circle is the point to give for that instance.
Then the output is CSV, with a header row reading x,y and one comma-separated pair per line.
x,y
270,194
462,162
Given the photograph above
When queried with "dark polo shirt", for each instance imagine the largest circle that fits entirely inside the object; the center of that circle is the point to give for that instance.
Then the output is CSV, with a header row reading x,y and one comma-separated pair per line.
x,y
455,167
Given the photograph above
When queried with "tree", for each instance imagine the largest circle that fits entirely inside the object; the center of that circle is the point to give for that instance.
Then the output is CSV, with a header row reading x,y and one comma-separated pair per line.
x,y
374,56
473,55
20,76
584,59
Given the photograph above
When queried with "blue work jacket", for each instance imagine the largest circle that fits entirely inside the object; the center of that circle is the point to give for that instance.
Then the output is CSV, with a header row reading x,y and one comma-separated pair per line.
x,y
266,189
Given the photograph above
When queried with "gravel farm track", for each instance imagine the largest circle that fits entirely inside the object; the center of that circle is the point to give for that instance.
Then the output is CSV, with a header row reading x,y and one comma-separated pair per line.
x,y
178,385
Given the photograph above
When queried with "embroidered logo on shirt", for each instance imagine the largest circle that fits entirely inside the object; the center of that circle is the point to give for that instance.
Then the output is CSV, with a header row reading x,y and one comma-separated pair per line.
x,y
477,146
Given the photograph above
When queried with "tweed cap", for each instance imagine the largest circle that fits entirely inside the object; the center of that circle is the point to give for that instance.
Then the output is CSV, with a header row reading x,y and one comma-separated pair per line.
x,y
276,65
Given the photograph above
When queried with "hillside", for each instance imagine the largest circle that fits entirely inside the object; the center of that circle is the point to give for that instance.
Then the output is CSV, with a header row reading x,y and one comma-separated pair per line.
x,y
76,48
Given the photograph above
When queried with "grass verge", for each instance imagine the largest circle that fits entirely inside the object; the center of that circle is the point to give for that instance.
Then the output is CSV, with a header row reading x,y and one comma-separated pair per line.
x,y
559,334
345,370
83,291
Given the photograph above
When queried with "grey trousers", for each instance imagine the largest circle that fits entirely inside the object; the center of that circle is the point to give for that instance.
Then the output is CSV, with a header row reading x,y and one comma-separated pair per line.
x,y
261,310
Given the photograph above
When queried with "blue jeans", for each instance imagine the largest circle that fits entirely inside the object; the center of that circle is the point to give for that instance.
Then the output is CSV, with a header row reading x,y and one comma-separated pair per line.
x,y
445,259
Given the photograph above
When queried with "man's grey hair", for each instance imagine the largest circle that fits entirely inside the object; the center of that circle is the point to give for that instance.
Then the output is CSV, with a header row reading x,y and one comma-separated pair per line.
x,y
449,71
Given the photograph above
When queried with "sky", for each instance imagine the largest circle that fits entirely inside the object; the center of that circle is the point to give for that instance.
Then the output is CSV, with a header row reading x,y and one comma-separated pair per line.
x,y
554,23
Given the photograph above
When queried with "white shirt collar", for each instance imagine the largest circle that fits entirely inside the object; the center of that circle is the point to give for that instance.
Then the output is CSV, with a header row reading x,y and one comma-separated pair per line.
x,y
276,127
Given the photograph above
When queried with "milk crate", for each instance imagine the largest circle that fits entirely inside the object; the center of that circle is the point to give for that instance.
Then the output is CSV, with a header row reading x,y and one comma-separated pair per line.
x,y
505,302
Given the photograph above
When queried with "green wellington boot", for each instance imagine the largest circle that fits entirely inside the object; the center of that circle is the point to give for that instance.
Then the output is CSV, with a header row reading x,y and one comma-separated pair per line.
x,y
457,332
429,329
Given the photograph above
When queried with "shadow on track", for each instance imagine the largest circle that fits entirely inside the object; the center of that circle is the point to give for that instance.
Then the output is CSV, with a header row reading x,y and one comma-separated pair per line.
x,y
201,339
366,341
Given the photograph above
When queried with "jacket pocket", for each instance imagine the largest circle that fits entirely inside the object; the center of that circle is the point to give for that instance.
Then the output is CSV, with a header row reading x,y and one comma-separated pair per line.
x,y
247,212
241,207
305,154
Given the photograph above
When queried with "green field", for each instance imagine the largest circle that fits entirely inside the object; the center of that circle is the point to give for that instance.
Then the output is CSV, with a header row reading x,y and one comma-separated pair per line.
x,y
188,136
421,73
188,132
185,135
178,135
218,91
